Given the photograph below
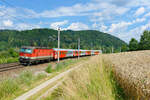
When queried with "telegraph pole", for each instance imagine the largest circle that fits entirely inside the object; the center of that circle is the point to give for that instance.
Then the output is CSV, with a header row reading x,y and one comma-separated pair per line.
x,y
120,49
78,47
58,43
91,48
112,49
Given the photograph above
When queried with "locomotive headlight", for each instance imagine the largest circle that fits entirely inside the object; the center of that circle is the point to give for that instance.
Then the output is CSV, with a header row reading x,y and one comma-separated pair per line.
x,y
27,58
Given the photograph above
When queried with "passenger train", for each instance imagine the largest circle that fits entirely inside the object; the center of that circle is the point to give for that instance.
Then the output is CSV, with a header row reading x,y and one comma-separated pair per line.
x,y
34,55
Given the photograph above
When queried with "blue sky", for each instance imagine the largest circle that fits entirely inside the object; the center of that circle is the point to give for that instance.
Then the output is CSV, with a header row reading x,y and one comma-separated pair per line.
x,y
122,18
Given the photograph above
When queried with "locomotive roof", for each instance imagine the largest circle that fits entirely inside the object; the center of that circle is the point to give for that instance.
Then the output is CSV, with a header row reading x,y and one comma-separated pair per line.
x,y
73,49
64,49
32,47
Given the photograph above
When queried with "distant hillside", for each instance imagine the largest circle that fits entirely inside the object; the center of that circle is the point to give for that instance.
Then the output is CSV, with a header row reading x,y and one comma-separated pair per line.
x,y
90,39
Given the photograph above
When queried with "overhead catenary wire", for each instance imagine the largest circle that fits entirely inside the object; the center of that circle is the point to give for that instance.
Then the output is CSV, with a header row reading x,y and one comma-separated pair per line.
x,y
16,18
8,3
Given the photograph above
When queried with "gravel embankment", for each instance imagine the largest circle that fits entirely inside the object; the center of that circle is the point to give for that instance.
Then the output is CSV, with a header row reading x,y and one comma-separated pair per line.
x,y
132,70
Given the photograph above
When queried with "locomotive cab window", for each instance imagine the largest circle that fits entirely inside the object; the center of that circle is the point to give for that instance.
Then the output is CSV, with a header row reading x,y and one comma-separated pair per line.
x,y
26,50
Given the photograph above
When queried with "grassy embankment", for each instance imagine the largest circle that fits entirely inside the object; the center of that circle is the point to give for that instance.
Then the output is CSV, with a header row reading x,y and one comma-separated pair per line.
x,y
60,66
9,56
93,81
13,87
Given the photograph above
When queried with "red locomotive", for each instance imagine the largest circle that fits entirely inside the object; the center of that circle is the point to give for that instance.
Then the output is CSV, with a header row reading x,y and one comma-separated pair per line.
x,y
30,55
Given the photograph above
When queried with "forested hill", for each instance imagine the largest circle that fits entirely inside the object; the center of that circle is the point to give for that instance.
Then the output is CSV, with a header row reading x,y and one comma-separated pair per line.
x,y
90,39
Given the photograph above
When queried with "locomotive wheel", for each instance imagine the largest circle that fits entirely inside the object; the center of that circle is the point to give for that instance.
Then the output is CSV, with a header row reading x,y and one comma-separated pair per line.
x,y
25,64
29,64
36,62
49,60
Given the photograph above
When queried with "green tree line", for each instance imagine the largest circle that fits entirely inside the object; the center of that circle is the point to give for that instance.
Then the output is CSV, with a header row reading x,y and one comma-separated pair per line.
x,y
90,39
143,44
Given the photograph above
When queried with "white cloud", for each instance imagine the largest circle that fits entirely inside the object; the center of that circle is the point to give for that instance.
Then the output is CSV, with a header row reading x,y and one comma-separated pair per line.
x,y
103,28
121,10
138,20
140,11
7,23
116,13
75,10
135,32
1,14
120,2
24,26
27,13
95,25
78,26
78,10
55,25
147,15
97,14
119,27
122,31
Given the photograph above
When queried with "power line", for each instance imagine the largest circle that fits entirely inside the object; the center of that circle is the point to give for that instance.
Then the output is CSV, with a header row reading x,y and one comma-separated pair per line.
x,y
11,15
8,3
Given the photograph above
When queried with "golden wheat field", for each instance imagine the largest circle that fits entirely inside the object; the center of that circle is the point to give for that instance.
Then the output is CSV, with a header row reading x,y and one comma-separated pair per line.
x,y
132,71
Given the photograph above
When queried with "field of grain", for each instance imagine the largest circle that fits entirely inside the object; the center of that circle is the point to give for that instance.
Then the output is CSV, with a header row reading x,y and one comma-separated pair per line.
x,y
132,71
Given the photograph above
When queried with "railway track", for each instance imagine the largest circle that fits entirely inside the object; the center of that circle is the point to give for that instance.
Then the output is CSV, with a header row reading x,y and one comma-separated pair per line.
x,y
10,66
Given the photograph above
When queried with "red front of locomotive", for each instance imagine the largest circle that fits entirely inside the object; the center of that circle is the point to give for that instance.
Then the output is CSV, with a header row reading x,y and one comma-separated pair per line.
x,y
25,55
29,55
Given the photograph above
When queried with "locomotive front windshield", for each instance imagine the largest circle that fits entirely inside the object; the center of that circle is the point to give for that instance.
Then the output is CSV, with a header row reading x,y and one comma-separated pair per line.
x,y
26,50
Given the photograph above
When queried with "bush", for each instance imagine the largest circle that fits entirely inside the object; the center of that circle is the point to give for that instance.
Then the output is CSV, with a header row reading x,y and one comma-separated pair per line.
x,y
49,68
9,56
13,53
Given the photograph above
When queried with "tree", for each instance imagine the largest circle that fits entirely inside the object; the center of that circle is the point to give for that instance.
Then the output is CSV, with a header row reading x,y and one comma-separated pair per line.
x,y
145,41
124,48
133,44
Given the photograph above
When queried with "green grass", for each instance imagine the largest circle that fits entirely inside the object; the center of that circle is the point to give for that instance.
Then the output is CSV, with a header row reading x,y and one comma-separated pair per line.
x,y
59,66
94,81
26,78
64,64
49,69
10,88
8,60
